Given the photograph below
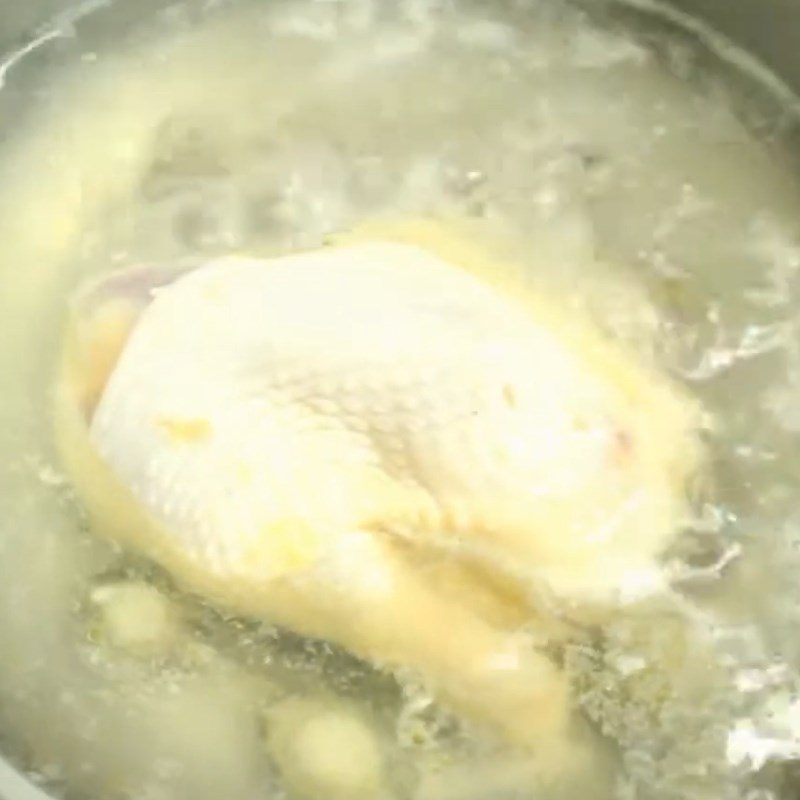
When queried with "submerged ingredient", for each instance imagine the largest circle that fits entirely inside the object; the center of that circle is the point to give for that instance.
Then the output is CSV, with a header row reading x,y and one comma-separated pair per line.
x,y
309,437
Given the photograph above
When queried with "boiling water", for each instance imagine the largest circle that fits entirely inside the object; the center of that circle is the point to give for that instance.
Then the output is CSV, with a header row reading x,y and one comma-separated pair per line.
x,y
639,178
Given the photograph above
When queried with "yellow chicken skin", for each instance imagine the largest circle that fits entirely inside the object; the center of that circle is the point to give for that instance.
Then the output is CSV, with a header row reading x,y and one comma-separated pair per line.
x,y
376,444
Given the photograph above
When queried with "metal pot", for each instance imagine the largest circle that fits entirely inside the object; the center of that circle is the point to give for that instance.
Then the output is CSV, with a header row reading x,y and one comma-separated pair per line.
x,y
768,29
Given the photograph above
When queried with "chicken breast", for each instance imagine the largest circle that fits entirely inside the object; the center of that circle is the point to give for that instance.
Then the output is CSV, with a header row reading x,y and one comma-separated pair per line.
x,y
365,443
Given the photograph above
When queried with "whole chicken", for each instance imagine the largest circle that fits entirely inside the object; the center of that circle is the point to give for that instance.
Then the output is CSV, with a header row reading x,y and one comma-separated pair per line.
x,y
373,444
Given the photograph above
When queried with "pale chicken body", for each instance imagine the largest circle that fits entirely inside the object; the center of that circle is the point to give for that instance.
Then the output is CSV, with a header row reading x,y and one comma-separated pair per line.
x,y
318,425
266,411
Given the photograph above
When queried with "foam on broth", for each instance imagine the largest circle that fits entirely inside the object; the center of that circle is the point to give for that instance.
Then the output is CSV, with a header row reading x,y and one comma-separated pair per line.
x,y
638,178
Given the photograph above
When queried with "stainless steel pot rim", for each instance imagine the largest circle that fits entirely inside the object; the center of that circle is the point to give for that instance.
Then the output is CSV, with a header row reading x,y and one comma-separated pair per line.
x,y
723,47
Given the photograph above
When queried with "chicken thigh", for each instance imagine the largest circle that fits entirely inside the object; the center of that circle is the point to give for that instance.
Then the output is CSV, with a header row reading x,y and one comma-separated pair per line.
x,y
372,445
